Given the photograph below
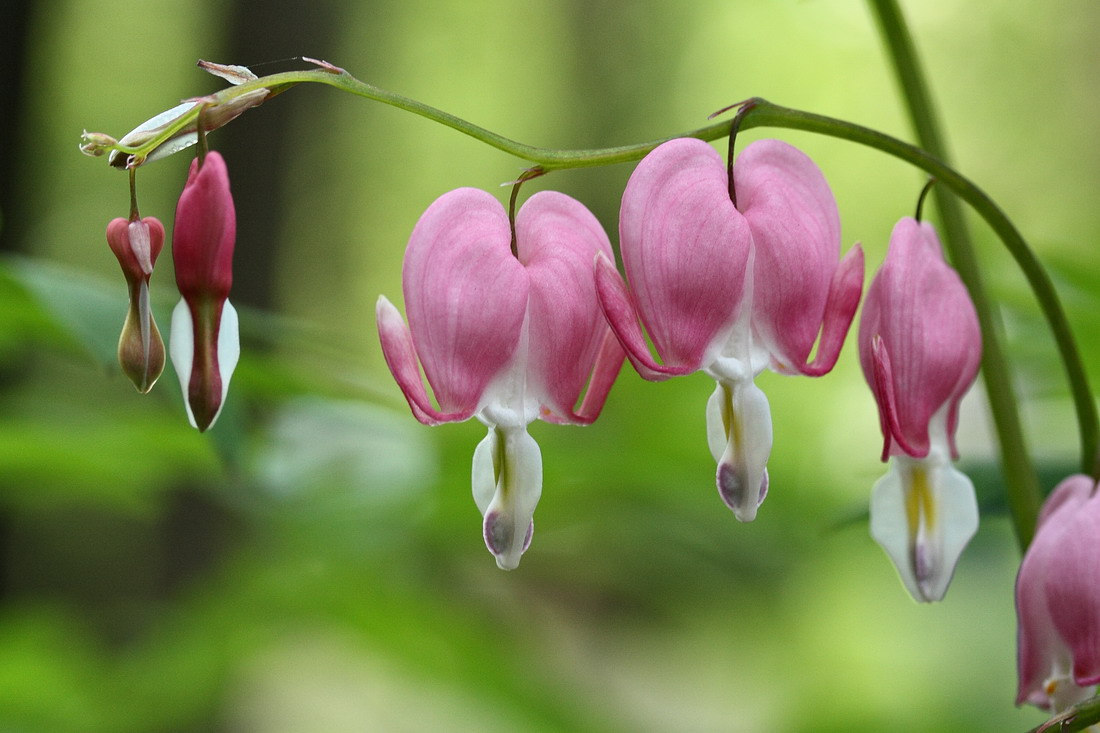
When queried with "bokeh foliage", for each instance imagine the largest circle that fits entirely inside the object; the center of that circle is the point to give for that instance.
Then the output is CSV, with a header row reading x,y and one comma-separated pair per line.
x,y
314,563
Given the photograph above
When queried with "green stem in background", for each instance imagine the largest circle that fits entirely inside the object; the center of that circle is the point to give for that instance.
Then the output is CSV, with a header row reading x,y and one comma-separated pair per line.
x,y
1019,474
1021,482
1077,718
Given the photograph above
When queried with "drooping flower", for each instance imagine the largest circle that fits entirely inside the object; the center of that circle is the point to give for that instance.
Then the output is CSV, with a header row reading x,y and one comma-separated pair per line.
x,y
731,289
204,343
137,244
1058,601
920,347
501,337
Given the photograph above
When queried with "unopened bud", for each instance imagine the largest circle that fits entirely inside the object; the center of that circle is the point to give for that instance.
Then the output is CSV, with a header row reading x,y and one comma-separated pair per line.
x,y
96,144
216,114
230,72
141,353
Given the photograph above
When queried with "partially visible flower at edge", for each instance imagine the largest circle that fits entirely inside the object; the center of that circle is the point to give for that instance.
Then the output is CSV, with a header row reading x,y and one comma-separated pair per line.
x,y
204,342
137,244
920,348
504,338
1058,601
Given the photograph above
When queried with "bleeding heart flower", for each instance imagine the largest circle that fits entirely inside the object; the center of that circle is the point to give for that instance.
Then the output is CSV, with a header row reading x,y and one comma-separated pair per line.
x,y
205,342
504,338
1058,600
920,347
729,289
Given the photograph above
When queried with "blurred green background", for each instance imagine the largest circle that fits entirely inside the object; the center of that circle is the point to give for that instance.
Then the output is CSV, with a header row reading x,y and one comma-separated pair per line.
x,y
314,563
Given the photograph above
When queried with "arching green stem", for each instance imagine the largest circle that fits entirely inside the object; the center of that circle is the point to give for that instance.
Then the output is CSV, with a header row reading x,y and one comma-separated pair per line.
x,y
1023,491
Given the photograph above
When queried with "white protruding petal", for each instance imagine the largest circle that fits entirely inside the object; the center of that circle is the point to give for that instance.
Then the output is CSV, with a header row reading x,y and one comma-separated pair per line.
x,y
181,348
508,525
145,320
484,472
923,513
229,349
739,433
1063,691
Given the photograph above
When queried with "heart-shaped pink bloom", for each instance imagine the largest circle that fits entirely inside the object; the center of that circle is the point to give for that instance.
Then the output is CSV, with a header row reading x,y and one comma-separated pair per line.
x,y
730,288
476,311
919,341
1058,600
508,338
920,347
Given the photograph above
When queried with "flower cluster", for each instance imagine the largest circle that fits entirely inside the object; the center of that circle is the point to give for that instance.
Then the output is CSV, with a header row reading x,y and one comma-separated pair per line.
x,y
203,342
727,272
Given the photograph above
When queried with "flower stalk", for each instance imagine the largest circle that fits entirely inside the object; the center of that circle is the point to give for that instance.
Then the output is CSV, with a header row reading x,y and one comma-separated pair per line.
x,y
1023,490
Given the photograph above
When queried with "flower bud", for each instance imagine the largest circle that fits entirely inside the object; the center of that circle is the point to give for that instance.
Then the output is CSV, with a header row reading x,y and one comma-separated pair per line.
x,y
205,343
216,114
137,244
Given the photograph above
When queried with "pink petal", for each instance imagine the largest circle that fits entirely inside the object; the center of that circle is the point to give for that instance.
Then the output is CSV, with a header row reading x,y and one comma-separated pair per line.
x,y
882,379
1054,556
465,296
205,231
685,249
619,310
608,362
840,309
557,240
1072,582
919,308
796,230
400,355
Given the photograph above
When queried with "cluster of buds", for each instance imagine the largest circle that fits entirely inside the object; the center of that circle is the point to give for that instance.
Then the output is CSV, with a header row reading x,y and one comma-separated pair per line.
x,y
203,341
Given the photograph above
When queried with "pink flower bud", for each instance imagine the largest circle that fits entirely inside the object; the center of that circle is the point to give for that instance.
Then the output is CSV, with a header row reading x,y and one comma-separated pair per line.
x,y
204,342
137,244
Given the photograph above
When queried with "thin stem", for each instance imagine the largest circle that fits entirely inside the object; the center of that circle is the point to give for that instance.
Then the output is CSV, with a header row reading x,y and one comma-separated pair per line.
x,y
735,126
1077,718
758,112
923,195
134,214
526,176
200,131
